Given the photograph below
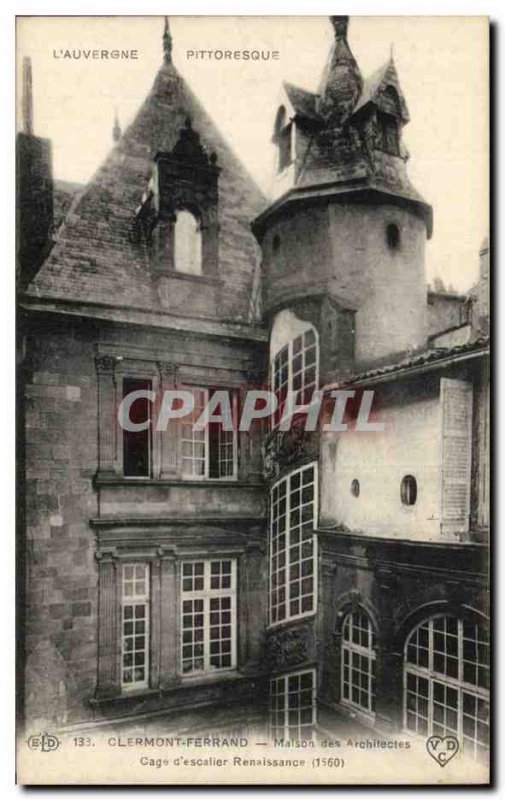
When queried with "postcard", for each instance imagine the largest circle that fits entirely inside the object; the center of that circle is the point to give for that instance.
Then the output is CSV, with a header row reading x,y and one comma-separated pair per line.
x,y
253,270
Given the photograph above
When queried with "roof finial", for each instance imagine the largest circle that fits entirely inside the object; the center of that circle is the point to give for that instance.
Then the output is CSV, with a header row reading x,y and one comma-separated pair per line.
x,y
340,25
116,130
167,43
391,52
341,82
27,98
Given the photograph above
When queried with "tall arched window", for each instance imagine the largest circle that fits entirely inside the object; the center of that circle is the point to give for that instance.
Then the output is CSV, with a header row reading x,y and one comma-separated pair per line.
x,y
358,662
188,243
446,680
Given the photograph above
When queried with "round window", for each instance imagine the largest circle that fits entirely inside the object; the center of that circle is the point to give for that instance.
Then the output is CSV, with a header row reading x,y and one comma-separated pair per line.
x,y
393,236
408,490
355,488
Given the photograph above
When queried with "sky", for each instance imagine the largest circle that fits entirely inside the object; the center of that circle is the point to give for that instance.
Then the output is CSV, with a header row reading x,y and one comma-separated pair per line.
x,y
442,64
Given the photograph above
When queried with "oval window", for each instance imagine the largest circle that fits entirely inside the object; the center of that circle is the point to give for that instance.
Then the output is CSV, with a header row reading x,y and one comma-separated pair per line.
x,y
355,487
408,490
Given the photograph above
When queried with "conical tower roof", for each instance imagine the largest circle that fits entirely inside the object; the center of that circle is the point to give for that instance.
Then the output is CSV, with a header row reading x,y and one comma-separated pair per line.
x,y
95,259
341,82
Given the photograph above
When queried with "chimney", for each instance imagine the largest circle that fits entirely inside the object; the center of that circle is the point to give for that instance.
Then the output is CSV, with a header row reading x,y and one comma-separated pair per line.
x,y
34,204
27,99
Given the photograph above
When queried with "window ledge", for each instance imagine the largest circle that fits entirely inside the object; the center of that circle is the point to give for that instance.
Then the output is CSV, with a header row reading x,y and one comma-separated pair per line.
x,y
210,280
205,678
121,480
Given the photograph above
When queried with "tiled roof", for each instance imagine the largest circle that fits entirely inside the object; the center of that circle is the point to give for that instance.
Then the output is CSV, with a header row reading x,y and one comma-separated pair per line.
x,y
94,260
425,358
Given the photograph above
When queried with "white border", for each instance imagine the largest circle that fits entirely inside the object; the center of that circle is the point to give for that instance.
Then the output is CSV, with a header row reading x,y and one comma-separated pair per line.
x,y
494,8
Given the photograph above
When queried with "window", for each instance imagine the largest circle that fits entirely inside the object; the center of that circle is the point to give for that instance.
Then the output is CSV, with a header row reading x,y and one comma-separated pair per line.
x,y
446,681
393,236
208,627
188,243
276,243
295,369
285,148
389,134
135,626
292,546
358,661
212,452
137,444
293,706
355,488
408,490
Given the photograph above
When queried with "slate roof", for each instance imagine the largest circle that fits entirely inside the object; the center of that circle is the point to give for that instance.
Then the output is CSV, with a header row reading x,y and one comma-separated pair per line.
x,y
94,261
63,194
303,102
384,75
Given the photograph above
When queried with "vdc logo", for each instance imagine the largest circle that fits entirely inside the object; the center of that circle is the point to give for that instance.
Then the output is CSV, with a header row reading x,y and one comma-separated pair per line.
x,y
45,742
442,750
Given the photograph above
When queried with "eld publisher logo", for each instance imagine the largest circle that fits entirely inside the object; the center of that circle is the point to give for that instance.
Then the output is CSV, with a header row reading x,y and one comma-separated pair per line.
x,y
45,742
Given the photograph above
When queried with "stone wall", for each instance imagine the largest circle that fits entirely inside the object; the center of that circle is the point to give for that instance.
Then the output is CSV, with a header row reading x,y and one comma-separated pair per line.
x,y
78,524
341,248
61,576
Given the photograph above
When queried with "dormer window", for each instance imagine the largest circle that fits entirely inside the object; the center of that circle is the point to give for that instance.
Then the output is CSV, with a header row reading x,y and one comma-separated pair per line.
x,y
283,132
389,138
187,243
285,150
388,116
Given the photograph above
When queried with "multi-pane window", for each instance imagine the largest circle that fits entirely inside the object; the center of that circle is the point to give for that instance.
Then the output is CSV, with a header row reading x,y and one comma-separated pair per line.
x,y
295,369
208,605
447,681
292,546
212,451
358,661
194,442
135,626
137,444
293,705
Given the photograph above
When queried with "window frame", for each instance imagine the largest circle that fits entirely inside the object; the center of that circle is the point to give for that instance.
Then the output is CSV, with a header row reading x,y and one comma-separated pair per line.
x,y
287,582
136,600
288,348
286,710
150,386
206,438
432,676
206,595
350,647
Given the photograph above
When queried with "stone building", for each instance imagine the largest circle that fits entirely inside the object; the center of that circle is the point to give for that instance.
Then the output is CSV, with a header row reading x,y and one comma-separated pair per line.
x,y
222,578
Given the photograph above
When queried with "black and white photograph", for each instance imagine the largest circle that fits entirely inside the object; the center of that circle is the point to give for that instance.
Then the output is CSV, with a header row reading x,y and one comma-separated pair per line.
x,y
253,400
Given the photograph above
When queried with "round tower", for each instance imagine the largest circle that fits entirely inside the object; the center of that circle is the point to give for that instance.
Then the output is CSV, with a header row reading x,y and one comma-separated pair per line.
x,y
343,246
